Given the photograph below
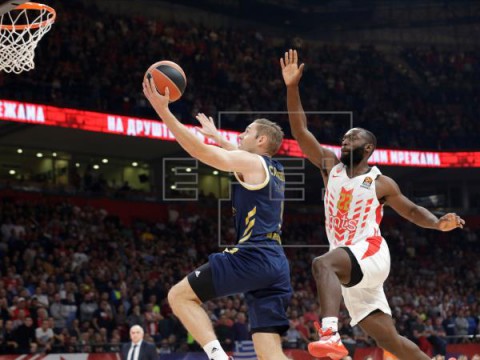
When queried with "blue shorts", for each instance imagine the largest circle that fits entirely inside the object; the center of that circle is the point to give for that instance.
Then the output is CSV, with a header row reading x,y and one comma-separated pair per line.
x,y
263,275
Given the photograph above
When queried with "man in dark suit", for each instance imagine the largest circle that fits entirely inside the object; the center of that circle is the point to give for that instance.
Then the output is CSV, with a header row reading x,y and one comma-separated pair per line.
x,y
137,349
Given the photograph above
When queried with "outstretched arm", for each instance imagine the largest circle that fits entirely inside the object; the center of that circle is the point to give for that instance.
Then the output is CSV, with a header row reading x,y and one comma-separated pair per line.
x,y
221,159
210,131
316,153
388,190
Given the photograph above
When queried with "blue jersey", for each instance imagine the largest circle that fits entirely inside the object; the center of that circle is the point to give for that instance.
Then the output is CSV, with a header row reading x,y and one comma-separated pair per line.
x,y
257,266
258,209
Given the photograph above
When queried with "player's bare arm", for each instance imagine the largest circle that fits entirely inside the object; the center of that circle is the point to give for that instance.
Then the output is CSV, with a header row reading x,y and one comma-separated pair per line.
x,y
210,131
292,74
248,164
389,192
321,157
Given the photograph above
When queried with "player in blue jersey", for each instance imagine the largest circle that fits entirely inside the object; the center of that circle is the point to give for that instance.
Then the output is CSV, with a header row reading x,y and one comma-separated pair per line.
x,y
257,266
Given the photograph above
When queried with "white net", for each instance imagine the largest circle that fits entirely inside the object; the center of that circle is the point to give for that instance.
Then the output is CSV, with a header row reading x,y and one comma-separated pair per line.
x,y
20,31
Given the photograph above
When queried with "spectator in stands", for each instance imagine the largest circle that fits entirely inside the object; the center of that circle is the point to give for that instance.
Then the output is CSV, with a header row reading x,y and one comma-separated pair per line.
x,y
449,324
121,317
8,345
312,314
70,308
19,320
44,336
437,336
136,317
4,312
240,328
20,305
103,317
151,321
293,339
88,307
42,314
41,296
420,335
115,343
224,330
472,321
85,343
24,336
59,312
461,324
165,347
74,329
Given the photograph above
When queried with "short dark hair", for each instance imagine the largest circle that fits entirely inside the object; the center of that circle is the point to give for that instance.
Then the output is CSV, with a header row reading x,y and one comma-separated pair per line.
x,y
371,138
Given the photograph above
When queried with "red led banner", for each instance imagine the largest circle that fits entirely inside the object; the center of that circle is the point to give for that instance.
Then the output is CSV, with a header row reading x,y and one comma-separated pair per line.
x,y
128,126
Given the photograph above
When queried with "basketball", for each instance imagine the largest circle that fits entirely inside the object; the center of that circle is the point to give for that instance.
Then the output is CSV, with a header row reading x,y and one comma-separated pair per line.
x,y
168,74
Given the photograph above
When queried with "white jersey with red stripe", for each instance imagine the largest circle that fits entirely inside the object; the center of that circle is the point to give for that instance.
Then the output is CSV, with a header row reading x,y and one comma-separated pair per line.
x,y
352,210
353,214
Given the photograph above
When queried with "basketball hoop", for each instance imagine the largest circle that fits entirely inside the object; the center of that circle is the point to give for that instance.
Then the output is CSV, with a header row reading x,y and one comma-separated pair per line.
x,y
20,31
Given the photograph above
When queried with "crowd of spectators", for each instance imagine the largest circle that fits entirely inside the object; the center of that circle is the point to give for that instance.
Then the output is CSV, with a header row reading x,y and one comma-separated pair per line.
x,y
75,279
96,60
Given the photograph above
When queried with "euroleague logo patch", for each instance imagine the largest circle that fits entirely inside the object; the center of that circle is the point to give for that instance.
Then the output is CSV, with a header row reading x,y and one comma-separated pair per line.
x,y
367,183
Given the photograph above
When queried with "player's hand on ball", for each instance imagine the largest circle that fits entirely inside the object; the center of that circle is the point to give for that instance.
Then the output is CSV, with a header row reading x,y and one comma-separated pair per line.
x,y
208,128
292,73
449,222
157,100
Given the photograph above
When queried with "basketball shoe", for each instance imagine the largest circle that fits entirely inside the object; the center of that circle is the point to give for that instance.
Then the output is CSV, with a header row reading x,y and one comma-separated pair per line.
x,y
329,345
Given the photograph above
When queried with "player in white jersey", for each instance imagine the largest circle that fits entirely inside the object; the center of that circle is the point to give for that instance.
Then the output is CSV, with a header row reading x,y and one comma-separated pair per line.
x,y
358,261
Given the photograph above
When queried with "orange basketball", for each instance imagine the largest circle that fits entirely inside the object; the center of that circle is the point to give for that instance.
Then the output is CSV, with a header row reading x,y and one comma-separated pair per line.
x,y
168,74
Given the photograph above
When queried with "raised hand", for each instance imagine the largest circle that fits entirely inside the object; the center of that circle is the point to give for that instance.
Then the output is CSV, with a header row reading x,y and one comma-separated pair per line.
x,y
158,101
292,73
449,222
208,128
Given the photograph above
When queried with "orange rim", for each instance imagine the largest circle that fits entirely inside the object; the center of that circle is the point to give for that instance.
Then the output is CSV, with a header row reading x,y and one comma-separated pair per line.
x,y
32,6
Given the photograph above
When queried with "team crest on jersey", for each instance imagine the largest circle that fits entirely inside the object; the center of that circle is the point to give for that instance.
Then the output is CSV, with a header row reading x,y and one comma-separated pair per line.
x,y
345,200
367,183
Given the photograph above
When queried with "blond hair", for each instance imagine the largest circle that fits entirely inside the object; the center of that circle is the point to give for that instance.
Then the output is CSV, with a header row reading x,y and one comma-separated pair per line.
x,y
272,131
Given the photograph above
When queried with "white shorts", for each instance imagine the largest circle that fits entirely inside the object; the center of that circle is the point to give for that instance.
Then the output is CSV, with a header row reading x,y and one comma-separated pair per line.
x,y
368,295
